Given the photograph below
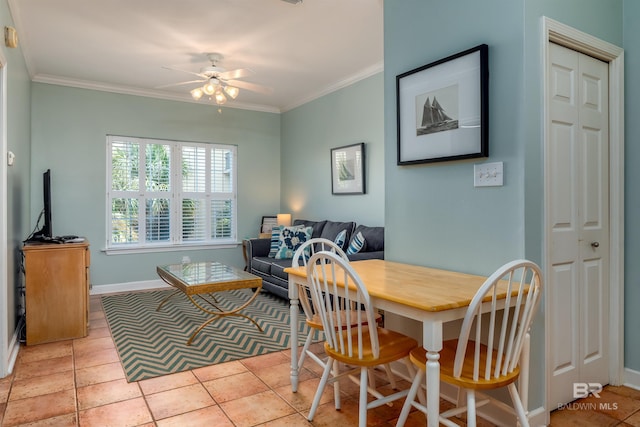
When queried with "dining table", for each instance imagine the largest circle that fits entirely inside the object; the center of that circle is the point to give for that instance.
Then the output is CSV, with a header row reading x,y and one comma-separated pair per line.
x,y
431,296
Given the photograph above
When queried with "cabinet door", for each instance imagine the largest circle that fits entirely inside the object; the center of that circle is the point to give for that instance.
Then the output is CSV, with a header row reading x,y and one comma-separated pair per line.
x,y
56,293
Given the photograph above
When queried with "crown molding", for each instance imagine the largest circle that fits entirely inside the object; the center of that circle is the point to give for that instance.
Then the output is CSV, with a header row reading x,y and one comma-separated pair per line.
x,y
127,90
367,72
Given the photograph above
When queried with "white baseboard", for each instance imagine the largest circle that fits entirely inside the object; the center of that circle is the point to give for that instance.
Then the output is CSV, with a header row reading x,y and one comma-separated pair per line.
x,y
632,378
14,348
128,287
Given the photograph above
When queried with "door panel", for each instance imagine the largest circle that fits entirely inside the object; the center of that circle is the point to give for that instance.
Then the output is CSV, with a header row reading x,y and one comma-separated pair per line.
x,y
579,220
565,343
563,211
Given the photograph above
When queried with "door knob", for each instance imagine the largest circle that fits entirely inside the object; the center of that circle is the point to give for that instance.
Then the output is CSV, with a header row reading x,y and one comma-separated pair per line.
x,y
595,244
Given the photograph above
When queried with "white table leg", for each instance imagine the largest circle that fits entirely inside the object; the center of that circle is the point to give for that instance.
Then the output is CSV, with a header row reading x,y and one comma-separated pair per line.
x,y
432,341
293,339
433,388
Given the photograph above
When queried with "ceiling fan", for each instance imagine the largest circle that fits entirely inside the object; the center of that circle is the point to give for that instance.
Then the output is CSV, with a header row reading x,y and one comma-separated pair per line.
x,y
218,81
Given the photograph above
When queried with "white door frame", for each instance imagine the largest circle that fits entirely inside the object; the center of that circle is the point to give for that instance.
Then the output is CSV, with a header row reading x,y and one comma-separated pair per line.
x,y
4,230
571,38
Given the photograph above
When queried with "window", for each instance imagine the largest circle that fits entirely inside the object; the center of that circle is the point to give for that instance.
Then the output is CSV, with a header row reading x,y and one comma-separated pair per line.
x,y
169,193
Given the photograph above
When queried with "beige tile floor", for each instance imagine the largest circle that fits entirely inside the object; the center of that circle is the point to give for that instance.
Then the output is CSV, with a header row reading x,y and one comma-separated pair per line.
x,y
81,383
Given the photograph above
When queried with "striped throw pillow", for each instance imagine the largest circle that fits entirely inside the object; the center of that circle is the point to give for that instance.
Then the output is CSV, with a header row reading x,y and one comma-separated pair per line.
x,y
339,240
275,241
356,244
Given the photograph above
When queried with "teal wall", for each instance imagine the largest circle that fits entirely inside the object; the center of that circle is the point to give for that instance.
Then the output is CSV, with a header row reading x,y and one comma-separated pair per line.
x,y
349,116
18,176
69,128
631,17
444,221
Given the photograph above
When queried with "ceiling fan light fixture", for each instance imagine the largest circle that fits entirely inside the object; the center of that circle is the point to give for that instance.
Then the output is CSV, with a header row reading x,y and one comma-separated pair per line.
x,y
197,93
220,98
209,88
232,91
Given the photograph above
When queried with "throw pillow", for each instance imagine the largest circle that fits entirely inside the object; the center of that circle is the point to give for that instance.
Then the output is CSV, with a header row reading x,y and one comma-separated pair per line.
x,y
275,241
290,240
356,245
339,240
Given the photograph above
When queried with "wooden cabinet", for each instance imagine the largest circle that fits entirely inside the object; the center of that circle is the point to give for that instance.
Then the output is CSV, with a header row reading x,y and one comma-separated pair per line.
x,y
56,291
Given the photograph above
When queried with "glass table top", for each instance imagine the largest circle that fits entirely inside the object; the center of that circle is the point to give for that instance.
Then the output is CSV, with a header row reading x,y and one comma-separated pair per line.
x,y
207,272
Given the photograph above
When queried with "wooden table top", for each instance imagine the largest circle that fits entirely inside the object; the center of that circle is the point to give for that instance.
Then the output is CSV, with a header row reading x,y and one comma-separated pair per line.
x,y
424,288
206,277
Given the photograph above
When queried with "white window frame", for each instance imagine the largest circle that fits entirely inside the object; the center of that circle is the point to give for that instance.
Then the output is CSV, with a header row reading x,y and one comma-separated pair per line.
x,y
175,195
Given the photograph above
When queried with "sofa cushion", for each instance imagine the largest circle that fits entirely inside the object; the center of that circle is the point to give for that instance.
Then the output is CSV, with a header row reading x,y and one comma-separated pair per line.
x,y
373,238
278,266
317,226
332,229
291,238
262,264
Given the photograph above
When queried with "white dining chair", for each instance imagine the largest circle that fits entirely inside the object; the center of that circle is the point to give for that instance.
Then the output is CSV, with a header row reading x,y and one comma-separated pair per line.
x,y
361,344
300,258
488,351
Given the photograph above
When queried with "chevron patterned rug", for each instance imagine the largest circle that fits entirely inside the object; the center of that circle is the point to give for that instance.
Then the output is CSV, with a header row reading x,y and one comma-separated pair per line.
x,y
152,343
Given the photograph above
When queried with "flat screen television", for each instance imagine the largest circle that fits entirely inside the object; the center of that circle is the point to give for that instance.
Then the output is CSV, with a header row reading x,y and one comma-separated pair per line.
x,y
46,232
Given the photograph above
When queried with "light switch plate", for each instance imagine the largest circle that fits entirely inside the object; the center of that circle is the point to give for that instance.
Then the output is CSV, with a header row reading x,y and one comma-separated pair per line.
x,y
488,174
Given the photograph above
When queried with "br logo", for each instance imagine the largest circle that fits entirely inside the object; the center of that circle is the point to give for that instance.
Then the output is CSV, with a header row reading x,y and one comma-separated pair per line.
x,y
581,390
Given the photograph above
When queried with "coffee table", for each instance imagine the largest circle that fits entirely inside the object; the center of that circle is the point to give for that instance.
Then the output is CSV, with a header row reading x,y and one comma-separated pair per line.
x,y
199,281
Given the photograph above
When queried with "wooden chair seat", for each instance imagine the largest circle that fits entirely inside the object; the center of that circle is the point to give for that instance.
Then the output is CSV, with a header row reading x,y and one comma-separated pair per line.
x,y
393,346
447,356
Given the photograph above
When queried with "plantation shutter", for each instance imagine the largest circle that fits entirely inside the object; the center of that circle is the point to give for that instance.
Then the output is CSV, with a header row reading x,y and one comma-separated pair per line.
x,y
208,198
164,193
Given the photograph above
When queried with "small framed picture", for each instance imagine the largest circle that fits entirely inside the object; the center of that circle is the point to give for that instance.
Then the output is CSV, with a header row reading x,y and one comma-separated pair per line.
x,y
348,169
443,109
268,222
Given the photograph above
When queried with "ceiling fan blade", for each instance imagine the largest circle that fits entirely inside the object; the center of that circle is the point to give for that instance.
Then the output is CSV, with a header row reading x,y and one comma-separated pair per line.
x,y
180,84
236,74
202,76
251,86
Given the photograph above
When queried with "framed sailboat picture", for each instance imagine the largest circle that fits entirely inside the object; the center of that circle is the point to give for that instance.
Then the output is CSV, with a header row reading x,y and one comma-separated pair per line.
x,y
443,109
348,169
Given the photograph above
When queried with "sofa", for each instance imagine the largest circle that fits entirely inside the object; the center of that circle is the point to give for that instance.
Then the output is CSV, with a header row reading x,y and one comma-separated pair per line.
x,y
271,269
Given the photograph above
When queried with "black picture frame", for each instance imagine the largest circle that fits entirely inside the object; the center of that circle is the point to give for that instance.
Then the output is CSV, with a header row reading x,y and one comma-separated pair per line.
x,y
268,222
348,169
443,109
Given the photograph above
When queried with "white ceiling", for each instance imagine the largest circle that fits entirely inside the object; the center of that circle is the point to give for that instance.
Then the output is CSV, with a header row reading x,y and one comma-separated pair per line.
x,y
301,51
